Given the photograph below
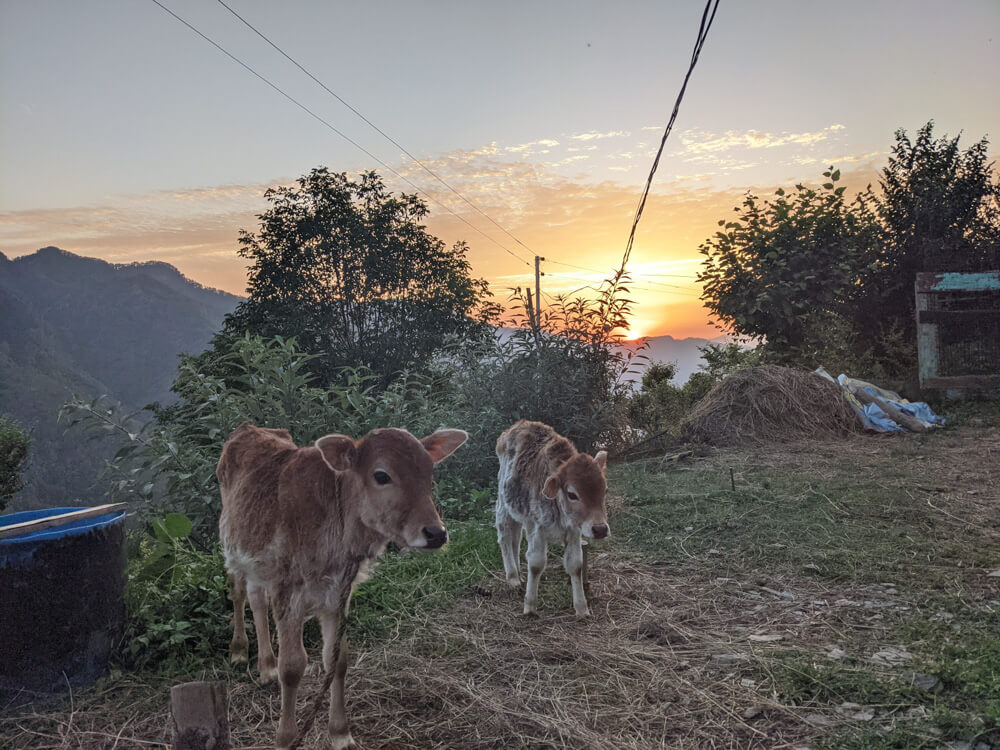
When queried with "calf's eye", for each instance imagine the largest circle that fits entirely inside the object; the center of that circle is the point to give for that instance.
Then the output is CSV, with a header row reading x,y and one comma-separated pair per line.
x,y
381,477
572,496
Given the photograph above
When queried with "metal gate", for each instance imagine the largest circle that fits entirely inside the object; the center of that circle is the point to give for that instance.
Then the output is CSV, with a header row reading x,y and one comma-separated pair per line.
x,y
958,331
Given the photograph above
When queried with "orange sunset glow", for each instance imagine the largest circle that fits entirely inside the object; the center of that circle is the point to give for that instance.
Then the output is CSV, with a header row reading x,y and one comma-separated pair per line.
x,y
544,153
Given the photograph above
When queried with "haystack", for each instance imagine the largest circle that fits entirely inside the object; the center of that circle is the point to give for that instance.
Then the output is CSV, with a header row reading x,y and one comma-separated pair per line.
x,y
770,404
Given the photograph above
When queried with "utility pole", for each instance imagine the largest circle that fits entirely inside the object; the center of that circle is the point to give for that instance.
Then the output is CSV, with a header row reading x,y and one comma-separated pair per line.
x,y
538,291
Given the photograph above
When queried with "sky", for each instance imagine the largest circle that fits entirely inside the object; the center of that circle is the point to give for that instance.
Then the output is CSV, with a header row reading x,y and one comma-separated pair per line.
x,y
125,136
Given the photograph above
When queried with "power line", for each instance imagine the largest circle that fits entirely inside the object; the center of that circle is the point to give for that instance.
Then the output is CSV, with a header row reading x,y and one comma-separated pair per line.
x,y
706,24
644,275
685,291
376,128
354,143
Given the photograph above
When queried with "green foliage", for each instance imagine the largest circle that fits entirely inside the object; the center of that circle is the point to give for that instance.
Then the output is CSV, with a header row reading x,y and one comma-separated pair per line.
x,y
176,599
350,269
725,359
169,463
939,210
660,405
785,266
567,368
14,444
819,280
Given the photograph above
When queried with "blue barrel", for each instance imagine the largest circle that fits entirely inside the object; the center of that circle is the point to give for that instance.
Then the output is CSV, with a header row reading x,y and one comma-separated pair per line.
x,y
62,602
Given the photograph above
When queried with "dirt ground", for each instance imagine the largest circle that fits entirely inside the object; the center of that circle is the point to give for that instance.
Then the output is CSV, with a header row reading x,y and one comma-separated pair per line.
x,y
865,621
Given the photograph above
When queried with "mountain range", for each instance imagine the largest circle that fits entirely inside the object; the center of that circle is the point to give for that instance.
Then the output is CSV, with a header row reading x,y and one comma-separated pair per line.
x,y
71,325
75,325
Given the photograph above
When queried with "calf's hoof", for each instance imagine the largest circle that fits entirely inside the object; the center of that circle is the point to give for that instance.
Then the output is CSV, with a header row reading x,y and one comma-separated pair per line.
x,y
238,651
585,612
514,582
341,742
268,672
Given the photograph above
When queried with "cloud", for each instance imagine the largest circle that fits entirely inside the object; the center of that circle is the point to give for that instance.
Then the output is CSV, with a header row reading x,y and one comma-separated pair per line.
x,y
547,143
594,135
582,221
701,142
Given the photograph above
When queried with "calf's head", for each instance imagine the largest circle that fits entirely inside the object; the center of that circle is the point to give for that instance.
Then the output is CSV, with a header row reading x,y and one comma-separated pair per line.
x,y
579,486
391,477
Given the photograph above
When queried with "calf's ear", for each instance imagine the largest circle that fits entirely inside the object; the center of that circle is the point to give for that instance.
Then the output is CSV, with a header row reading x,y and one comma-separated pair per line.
x,y
602,460
338,451
443,443
551,487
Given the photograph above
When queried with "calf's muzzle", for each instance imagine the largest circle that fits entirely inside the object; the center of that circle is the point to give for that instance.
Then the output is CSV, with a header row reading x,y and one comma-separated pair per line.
x,y
436,536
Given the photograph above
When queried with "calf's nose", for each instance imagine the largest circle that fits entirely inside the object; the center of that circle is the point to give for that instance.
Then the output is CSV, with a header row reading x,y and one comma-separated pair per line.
x,y
600,530
436,536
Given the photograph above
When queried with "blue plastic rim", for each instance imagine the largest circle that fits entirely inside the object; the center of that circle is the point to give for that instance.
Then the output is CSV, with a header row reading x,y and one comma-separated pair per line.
x,y
73,528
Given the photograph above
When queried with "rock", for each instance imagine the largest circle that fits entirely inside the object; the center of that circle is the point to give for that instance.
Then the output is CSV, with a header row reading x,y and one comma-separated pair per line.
x,y
747,683
836,654
923,681
856,711
944,616
891,655
994,574
766,638
714,551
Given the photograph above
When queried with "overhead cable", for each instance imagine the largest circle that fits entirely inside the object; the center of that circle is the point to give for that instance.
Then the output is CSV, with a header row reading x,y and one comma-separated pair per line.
x,y
354,143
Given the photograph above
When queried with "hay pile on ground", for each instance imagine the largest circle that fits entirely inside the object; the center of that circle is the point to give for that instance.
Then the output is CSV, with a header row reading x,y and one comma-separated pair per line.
x,y
770,404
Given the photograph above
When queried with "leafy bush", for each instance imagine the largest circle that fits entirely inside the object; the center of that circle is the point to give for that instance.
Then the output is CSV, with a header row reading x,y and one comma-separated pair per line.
x,y
169,463
176,599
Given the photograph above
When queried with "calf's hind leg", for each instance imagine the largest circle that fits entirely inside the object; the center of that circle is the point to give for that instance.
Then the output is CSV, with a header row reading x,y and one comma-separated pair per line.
x,y
267,666
239,646
509,538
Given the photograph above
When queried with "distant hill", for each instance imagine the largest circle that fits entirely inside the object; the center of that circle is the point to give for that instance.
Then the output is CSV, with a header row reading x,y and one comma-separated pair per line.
x,y
70,324
685,352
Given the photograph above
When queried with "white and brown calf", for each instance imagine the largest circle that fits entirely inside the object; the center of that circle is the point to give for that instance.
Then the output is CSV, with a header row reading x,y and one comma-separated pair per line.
x,y
551,493
301,525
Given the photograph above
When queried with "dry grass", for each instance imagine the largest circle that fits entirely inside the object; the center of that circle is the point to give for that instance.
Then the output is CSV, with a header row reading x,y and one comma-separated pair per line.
x,y
770,404
641,673
676,655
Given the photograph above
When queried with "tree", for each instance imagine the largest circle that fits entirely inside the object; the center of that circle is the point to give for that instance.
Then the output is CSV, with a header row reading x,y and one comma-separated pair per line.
x,y
939,210
786,266
14,445
348,269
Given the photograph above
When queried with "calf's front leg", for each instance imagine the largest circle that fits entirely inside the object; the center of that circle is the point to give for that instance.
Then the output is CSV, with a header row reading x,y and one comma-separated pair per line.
x,y
335,657
537,552
573,563
291,667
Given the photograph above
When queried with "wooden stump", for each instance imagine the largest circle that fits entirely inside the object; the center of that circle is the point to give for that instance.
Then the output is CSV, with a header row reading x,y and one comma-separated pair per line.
x,y
200,716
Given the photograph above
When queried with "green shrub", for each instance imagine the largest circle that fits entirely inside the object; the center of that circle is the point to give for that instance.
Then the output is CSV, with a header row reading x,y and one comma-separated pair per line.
x,y
176,600
168,464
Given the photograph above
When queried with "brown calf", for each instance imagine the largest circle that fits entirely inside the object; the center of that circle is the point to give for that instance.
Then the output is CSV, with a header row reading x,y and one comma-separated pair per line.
x,y
551,493
300,527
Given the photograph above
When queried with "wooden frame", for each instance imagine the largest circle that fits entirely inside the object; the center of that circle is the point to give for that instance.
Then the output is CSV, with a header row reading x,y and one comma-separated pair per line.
x,y
928,320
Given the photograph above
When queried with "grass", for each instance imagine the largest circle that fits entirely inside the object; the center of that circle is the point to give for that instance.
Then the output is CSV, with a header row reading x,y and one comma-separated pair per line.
x,y
919,512
723,616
